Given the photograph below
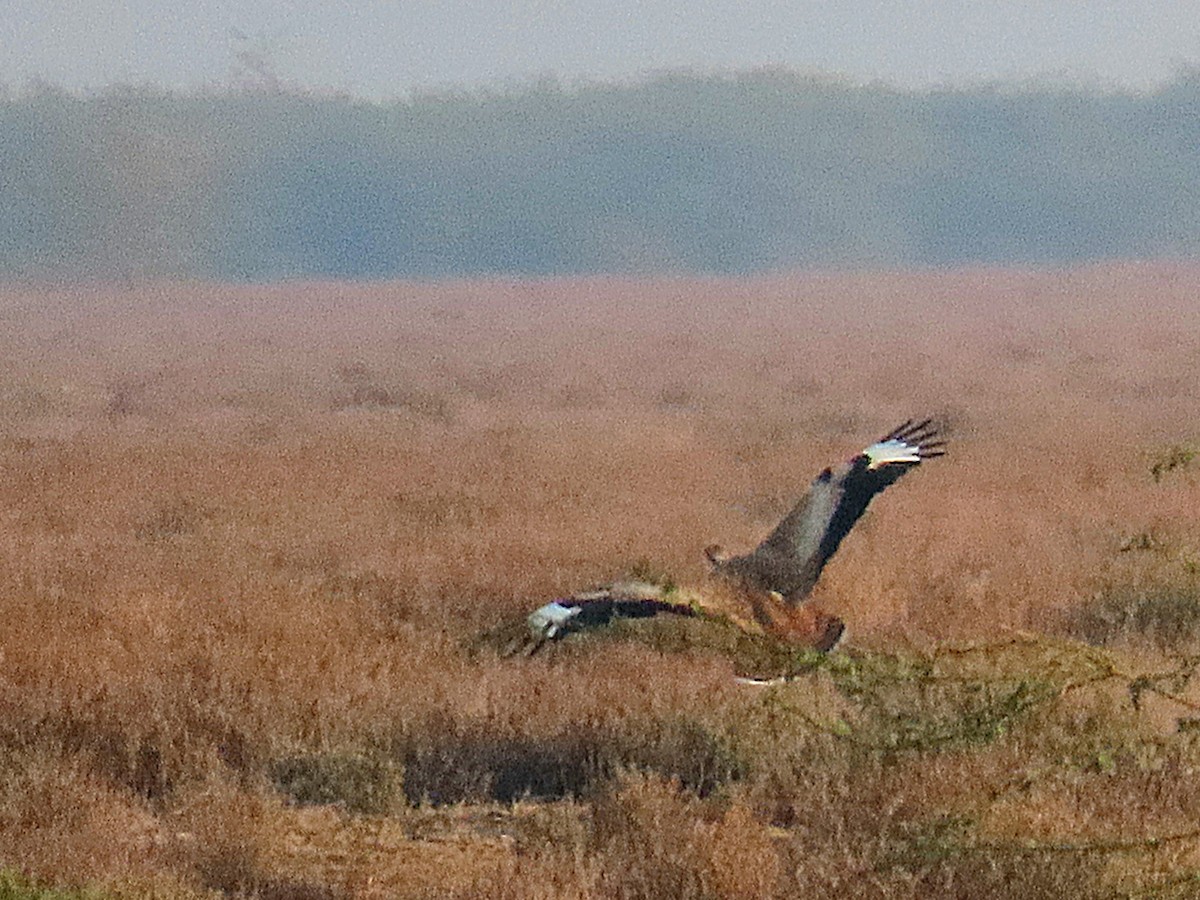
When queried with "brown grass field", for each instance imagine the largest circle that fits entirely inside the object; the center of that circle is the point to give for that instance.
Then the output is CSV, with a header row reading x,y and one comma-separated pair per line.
x,y
248,536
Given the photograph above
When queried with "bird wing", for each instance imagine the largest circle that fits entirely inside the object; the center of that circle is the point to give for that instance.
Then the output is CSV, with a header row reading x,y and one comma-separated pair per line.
x,y
590,609
792,556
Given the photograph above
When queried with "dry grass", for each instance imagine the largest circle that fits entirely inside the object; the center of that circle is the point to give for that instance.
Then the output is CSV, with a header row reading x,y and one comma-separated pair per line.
x,y
249,535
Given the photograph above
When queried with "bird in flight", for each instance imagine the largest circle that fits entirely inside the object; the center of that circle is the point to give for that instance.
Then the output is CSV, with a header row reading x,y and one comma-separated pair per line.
x,y
778,575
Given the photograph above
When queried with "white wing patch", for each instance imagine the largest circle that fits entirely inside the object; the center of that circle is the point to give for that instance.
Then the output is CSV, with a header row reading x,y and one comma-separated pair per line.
x,y
892,450
546,622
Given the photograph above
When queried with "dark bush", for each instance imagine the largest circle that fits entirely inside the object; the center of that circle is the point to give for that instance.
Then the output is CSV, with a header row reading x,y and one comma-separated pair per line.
x,y
1167,615
457,762
362,784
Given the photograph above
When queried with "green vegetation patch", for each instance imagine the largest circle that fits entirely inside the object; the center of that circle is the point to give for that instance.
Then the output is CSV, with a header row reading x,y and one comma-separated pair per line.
x,y
14,886
908,703
946,857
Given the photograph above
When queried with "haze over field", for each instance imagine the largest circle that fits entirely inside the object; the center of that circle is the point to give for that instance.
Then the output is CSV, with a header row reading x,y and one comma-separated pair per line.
x,y
291,140
683,173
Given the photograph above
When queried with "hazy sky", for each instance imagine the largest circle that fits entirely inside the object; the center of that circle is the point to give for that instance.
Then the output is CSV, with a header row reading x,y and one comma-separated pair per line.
x,y
385,48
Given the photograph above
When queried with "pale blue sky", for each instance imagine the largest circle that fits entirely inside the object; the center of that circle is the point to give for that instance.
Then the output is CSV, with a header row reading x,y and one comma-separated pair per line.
x,y
382,49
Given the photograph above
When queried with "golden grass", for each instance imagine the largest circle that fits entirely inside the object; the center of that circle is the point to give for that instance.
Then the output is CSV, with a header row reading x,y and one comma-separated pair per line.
x,y
249,534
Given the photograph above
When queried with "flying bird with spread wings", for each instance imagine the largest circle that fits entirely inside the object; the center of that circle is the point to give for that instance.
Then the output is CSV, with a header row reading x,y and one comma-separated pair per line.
x,y
776,577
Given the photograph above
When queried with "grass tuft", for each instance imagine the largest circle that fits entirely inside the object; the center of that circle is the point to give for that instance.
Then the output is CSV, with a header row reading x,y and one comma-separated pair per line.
x,y
356,782
1167,616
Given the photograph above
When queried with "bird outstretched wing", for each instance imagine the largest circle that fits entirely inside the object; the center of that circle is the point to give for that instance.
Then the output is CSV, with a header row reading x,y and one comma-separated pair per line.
x,y
625,599
789,561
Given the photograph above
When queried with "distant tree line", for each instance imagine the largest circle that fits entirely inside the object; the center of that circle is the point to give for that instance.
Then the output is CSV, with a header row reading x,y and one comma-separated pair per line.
x,y
684,172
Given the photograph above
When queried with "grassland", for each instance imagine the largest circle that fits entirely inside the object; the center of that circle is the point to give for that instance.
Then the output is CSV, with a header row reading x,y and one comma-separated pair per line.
x,y
248,536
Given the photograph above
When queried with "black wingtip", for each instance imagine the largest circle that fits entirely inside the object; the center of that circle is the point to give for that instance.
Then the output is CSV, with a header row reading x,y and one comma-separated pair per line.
x,y
910,428
921,431
914,432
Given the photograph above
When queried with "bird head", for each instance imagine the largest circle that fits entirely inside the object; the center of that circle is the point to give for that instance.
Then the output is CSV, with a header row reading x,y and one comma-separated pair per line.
x,y
716,555
549,621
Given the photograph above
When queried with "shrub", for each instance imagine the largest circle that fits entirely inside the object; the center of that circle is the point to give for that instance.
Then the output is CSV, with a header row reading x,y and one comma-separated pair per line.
x,y
453,762
360,783
358,387
171,518
1176,457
